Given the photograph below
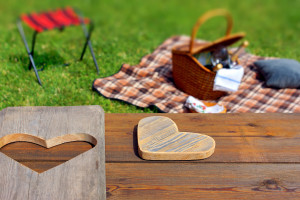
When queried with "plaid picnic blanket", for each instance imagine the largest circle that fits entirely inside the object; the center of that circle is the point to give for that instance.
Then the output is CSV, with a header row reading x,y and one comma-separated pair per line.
x,y
150,83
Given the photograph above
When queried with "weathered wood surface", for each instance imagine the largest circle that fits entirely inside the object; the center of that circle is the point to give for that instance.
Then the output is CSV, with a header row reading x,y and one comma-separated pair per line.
x,y
159,139
209,181
246,137
257,156
82,177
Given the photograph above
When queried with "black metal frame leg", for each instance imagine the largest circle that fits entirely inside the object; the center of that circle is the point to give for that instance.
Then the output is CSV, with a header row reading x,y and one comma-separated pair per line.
x,y
30,53
87,34
32,47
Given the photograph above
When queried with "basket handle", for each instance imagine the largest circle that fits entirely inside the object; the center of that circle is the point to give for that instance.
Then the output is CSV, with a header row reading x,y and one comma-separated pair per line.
x,y
205,17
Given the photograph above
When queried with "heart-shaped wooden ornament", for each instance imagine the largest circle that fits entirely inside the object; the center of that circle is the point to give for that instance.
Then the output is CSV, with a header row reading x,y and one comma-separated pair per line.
x,y
41,155
159,139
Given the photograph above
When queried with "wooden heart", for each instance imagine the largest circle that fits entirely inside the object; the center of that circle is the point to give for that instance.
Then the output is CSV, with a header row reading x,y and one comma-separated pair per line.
x,y
41,155
159,139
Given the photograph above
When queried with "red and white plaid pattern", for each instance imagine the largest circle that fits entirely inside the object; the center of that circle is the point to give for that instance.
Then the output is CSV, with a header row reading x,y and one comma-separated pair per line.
x,y
150,83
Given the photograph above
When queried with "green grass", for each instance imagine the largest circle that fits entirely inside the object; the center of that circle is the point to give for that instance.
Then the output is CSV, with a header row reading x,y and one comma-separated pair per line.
x,y
125,31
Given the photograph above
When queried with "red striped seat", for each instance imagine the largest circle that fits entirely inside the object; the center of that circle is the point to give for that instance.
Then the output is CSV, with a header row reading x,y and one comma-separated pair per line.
x,y
52,19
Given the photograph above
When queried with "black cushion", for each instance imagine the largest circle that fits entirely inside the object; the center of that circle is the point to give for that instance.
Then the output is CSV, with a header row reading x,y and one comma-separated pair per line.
x,y
280,73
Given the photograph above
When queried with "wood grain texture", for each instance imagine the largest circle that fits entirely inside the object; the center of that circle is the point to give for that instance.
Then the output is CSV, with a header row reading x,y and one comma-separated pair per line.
x,y
41,159
47,147
256,157
248,137
159,139
209,181
82,177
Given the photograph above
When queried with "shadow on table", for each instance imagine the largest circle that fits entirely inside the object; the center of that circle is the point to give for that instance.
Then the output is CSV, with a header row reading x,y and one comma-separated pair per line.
x,y
135,142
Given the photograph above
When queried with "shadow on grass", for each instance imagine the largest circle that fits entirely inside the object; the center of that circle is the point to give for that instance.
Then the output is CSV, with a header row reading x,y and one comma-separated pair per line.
x,y
42,60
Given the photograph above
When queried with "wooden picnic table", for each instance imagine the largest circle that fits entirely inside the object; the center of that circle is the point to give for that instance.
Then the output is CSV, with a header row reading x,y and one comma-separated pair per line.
x,y
257,156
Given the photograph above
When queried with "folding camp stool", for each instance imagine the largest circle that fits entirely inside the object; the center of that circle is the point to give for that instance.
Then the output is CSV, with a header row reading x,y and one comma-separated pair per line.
x,y
56,19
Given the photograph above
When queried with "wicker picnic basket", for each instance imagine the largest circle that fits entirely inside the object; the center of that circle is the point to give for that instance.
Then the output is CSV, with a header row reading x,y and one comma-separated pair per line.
x,y
189,74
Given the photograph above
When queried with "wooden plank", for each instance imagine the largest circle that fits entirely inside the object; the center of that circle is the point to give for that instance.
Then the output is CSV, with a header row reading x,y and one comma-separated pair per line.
x,y
228,149
82,177
240,138
230,124
202,181
159,139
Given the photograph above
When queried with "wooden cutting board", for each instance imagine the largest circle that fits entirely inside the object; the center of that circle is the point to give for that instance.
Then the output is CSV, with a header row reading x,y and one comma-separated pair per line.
x,y
82,177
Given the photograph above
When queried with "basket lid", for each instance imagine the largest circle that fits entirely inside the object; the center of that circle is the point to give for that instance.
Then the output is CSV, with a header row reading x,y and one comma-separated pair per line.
x,y
210,46
224,41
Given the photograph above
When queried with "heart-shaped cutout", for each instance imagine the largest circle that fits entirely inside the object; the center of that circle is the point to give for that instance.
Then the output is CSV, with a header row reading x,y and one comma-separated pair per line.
x,y
41,155
159,139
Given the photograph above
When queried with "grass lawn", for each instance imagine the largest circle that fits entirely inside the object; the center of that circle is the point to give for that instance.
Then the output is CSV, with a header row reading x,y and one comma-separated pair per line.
x,y
124,32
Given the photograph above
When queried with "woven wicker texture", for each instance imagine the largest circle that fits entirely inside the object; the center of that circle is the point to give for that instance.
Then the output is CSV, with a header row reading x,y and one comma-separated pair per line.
x,y
191,76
